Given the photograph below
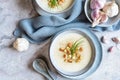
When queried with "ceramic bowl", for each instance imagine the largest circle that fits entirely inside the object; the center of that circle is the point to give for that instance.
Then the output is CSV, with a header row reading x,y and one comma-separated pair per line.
x,y
42,11
96,55
111,21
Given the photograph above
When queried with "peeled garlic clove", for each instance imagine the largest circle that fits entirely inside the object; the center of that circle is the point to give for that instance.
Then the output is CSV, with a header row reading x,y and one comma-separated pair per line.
x,y
97,4
116,40
104,39
111,9
95,14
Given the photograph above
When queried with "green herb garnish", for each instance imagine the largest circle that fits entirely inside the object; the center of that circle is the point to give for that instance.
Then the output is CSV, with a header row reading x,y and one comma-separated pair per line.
x,y
53,3
75,45
72,51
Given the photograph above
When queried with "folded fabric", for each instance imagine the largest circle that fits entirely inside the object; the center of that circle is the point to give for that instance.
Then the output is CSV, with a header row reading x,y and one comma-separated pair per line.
x,y
39,29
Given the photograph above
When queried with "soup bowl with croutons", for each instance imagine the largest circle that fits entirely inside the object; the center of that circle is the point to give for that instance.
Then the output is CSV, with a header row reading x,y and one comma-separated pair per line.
x,y
75,53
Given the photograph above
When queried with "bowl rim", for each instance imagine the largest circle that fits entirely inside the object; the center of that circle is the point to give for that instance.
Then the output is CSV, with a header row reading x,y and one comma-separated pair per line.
x,y
68,75
34,2
91,59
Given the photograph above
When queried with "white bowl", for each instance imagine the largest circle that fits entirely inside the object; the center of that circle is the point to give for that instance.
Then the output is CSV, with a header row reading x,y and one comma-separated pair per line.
x,y
111,21
95,59
42,11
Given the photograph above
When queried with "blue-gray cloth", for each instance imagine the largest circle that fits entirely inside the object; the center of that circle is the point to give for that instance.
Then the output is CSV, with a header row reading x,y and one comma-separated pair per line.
x,y
39,29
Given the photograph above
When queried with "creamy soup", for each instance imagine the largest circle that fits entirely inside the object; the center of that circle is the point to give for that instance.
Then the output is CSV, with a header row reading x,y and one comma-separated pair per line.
x,y
44,5
57,55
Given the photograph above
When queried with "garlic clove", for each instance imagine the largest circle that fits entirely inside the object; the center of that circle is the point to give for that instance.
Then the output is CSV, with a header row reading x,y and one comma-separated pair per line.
x,y
104,17
111,49
95,23
97,4
105,40
116,40
101,19
95,14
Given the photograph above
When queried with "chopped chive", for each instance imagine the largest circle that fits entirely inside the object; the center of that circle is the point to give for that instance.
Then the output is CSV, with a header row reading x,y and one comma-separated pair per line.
x,y
75,45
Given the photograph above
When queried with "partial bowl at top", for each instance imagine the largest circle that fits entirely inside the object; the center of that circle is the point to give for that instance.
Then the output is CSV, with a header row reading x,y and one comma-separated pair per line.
x,y
44,7
111,21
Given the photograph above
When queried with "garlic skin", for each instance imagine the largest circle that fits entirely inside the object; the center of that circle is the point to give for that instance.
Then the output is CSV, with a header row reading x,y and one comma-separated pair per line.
x,y
21,44
97,4
111,9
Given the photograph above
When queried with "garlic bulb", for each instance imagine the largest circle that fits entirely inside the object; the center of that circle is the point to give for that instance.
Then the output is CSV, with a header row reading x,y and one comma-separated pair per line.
x,y
111,9
98,17
21,44
97,4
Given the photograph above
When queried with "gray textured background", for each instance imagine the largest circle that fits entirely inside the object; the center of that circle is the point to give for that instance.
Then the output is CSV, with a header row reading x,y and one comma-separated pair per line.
x,y
18,66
